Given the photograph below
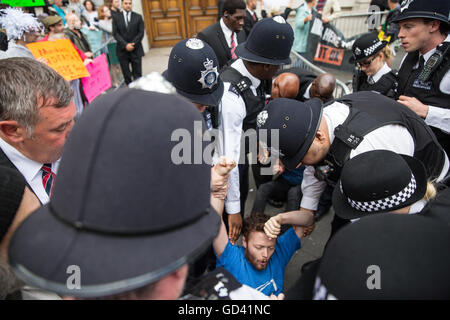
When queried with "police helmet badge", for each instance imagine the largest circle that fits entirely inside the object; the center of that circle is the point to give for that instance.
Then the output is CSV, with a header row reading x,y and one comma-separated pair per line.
x,y
195,44
209,76
262,118
357,51
405,5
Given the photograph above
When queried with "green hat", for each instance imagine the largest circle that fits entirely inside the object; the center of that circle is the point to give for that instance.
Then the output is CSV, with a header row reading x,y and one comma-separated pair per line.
x,y
51,20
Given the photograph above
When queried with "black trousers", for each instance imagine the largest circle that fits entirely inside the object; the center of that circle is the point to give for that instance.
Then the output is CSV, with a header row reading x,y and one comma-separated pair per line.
x,y
278,189
136,68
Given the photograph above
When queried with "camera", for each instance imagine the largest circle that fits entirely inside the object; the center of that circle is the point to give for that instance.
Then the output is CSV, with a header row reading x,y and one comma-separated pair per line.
x,y
324,170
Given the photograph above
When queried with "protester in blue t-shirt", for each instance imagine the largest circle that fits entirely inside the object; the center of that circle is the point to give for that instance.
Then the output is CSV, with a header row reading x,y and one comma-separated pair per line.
x,y
260,263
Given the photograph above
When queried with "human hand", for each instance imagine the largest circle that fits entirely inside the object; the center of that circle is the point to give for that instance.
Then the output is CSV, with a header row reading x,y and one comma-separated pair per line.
x,y
89,54
129,47
87,61
234,227
278,168
415,105
272,227
325,20
308,230
263,154
224,166
279,297
308,18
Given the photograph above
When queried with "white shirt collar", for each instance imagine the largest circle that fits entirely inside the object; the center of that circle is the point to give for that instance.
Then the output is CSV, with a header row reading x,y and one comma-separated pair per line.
x,y
29,168
384,69
416,207
306,95
240,66
125,15
427,55
227,33
251,12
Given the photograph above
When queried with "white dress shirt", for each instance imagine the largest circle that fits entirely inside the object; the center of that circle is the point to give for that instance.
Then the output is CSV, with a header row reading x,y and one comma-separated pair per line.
x,y
30,169
227,33
400,141
437,116
126,17
232,115
384,69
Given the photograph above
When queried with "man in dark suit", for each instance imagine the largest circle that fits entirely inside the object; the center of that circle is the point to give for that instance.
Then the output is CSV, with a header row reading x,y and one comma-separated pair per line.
x,y
33,131
225,35
128,30
250,16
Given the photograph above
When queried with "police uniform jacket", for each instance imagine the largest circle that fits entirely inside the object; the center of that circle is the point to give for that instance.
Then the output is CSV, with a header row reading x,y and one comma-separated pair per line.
x,y
435,93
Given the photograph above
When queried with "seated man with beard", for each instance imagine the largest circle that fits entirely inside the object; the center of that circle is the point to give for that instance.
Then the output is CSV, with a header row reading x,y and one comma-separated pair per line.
x,y
261,261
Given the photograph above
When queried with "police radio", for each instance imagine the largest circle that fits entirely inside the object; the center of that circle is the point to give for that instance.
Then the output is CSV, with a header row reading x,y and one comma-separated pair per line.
x,y
433,62
324,170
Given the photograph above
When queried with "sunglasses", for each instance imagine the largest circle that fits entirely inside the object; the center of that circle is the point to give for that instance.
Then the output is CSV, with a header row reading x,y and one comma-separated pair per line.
x,y
366,63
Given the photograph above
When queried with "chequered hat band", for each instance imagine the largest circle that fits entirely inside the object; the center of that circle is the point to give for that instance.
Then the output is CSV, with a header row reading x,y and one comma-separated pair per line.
x,y
386,203
370,50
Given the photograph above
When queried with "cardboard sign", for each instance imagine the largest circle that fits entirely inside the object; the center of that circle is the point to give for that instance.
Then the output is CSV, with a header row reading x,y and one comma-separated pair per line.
x,y
61,56
99,81
24,3
329,55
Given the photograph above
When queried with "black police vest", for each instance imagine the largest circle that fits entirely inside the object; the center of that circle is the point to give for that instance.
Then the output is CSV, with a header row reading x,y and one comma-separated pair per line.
x,y
369,111
253,104
386,85
427,92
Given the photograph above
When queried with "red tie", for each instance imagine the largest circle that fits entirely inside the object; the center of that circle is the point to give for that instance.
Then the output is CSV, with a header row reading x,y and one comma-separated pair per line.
x,y
47,178
233,47
254,16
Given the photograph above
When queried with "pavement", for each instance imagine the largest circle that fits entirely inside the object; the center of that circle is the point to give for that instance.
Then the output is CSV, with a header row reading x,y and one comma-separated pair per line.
x,y
313,245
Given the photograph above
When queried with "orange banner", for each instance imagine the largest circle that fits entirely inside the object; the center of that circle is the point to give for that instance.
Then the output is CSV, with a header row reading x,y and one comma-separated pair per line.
x,y
330,55
61,56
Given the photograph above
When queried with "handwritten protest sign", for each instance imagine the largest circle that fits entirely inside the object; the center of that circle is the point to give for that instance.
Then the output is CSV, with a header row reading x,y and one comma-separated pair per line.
x,y
61,56
99,81
24,3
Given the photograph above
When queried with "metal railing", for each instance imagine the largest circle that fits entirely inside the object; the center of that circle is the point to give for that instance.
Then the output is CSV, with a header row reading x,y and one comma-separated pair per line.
x,y
301,62
352,24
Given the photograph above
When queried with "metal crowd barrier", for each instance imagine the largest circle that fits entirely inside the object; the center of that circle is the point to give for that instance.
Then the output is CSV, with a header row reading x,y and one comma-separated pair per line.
x,y
301,62
352,24
109,49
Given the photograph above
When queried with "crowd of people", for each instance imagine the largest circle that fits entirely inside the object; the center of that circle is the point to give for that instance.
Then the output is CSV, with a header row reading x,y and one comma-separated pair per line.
x,y
113,202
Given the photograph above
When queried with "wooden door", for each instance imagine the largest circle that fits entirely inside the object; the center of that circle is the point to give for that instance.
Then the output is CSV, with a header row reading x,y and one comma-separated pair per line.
x,y
164,22
199,15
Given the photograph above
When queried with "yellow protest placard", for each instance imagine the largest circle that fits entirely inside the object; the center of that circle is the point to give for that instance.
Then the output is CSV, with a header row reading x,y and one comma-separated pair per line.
x,y
61,56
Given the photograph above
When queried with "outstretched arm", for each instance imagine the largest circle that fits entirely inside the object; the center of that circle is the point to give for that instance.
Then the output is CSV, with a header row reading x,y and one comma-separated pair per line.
x,y
221,169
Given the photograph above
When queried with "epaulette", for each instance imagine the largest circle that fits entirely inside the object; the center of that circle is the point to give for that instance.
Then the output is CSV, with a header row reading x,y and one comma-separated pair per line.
x,y
234,90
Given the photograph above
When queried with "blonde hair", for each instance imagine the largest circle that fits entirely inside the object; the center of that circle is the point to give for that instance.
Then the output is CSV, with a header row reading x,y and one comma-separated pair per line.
x,y
431,192
387,53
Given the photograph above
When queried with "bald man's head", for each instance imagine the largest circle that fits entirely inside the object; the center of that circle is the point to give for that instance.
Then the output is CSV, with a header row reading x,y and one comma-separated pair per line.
x,y
323,87
286,85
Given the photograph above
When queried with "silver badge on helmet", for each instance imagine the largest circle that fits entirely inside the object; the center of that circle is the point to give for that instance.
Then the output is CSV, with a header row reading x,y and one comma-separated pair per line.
x,y
195,44
405,5
357,51
262,118
209,76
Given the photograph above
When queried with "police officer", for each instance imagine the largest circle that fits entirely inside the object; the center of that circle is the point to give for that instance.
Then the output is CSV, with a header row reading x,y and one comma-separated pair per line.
x,y
267,47
373,73
324,139
424,77
193,71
